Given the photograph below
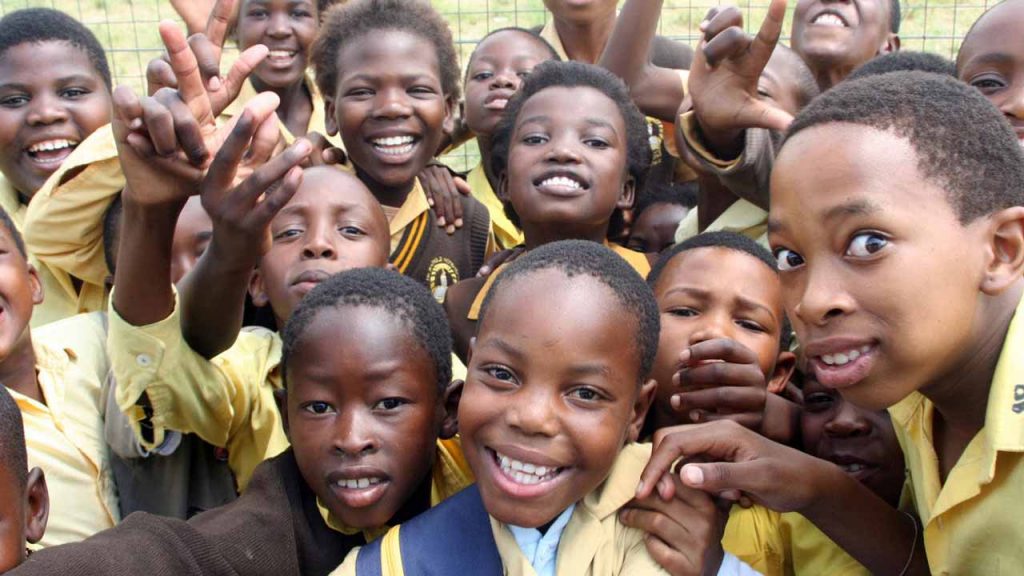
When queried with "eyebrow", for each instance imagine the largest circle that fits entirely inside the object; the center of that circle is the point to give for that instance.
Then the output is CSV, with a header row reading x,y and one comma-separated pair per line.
x,y
299,207
62,81
990,58
591,121
845,210
503,347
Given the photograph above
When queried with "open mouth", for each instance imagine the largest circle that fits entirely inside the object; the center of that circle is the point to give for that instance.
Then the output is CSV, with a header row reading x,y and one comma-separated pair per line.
x,y
394,147
279,58
522,479
359,490
830,19
562,184
855,467
49,154
846,367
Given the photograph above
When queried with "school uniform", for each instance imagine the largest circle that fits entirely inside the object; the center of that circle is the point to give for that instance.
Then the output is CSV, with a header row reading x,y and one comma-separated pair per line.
x,y
506,234
426,253
317,118
10,201
64,434
227,401
810,552
741,217
459,536
972,521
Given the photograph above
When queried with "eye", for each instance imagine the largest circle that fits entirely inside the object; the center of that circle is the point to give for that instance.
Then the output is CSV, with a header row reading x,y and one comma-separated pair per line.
x,y
74,92
684,312
389,404
317,407
359,93
351,231
258,13
501,374
751,325
301,14
866,244
786,259
988,83
599,143
421,91
288,233
534,139
585,393
818,402
483,75
524,73
14,101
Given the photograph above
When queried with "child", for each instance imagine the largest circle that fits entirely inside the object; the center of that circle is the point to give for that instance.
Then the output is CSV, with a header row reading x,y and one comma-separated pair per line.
x,y
24,502
496,69
390,77
928,186
905,61
554,399
55,92
722,326
658,213
990,60
370,408
569,155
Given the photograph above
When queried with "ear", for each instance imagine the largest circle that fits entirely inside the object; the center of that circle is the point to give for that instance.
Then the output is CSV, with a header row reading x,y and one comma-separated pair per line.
x,y
35,285
640,407
891,44
502,191
449,116
1005,239
784,367
330,122
37,505
281,400
450,423
257,291
628,195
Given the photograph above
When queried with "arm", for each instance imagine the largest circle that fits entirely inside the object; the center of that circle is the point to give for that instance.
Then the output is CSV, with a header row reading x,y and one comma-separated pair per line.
x,y
657,91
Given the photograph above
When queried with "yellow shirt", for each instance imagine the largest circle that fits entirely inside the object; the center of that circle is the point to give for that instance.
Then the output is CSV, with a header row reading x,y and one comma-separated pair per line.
x,y
317,118
11,203
414,205
64,436
742,217
227,401
505,232
972,523
810,552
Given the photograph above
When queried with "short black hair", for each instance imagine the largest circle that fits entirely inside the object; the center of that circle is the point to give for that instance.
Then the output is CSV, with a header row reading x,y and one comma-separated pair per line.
x,y
344,23
552,53
905,61
13,454
730,241
386,290
12,229
49,25
570,74
112,233
962,142
585,258
681,193
895,16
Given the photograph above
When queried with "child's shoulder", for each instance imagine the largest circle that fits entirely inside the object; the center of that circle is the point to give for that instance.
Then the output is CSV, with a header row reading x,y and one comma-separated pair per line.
x,y
81,339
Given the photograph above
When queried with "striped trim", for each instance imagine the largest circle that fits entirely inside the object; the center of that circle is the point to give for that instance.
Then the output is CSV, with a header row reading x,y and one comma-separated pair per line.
x,y
391,554
411,241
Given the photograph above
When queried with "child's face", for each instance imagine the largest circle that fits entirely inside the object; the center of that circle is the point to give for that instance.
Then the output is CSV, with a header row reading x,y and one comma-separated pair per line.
x,y
655,228
992,60
51,98
364,412
20,290
496,71
780,82
192,235
332,224
551,395
567,160
837,34
287,28
390,106
879,277
861,442
23,514
580,11
707,293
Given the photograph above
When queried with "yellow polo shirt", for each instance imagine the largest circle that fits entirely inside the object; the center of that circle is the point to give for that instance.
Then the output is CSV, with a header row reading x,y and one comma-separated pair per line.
x,y
808,551
227,401
11,203
414,205
317,118
64,436
742,217
972,523
505,232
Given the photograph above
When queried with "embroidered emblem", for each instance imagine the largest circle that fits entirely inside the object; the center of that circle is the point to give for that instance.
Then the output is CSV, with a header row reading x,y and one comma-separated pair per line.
x,y
441,274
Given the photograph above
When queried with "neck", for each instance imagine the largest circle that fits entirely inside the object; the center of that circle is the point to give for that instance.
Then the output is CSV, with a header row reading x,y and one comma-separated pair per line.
x,y
540,235
961,398
295,107
484,142
713,199
18,369
584,42
417,504
393,196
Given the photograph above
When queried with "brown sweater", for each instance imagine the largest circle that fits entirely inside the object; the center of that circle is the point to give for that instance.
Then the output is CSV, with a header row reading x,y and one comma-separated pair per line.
x,y
273,529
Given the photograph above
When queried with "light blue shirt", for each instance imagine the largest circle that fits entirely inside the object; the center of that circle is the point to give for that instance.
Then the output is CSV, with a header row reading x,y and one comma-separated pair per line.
x,y
542,549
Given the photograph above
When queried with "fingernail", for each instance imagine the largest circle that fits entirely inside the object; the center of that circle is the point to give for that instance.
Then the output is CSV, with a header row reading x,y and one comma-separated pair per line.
x,y
440,221
135,124
214,83
450,229
458,222
693,475
675,401
430,201
640,487
684,356
694,415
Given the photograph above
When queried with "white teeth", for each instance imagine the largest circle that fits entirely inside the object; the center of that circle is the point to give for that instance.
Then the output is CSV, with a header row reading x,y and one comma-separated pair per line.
x,y
358,483
50,145
280,54
499,102
853,468
393,141
829,20
842,358
394,145
561,182
524,472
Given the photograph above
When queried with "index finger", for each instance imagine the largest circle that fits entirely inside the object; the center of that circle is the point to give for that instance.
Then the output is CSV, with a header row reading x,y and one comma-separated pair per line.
x,y
768,36
724,349
186,70
220,21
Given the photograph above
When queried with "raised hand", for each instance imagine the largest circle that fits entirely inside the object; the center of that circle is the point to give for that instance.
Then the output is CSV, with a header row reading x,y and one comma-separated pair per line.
x,y
720,379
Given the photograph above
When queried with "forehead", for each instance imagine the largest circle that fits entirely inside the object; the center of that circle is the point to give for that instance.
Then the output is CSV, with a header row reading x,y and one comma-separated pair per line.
x,y
1000,30
33,62
570,105
510,44
278,4
328,188
724,271
388,52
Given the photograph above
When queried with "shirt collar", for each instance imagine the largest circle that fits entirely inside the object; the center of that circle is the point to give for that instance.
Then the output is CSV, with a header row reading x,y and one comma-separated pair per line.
x,y
541,549
414,205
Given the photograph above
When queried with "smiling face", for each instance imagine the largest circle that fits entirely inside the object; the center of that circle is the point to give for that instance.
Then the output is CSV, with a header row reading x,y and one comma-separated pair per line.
x,y
331,224
880,278
364,413
992,60
495,72
20,290
567,163
861,442
830,34
51,98
390,107
707,293
287,28
551,395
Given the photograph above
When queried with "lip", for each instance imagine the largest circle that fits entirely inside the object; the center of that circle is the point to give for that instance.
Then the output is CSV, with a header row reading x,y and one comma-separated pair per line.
x,y
514,489
359,497
498,99
397,155
48,161
845,20
310,279
836,376
855,466
275,60
562,191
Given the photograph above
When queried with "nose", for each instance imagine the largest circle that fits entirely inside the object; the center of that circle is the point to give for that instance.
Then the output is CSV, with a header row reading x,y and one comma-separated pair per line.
x,y
392,104
848,422
353,434
279,25
46,109
712,325
505,79
532,412
823,297
1013,104
563,150
319,243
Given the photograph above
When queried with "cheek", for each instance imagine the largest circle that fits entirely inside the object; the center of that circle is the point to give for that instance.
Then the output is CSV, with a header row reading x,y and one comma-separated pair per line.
x,y
94,113
249,32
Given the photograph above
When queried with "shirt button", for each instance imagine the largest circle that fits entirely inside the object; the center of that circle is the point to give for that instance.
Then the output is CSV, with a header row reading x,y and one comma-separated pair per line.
x,y
144,360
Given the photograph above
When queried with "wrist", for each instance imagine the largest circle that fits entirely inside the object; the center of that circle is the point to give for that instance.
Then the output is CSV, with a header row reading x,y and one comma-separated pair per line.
x,y
228,257
726,145
827,485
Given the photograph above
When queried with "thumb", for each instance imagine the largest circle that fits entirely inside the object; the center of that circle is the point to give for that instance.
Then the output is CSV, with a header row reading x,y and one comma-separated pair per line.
x,y
764,115
462,186
726,478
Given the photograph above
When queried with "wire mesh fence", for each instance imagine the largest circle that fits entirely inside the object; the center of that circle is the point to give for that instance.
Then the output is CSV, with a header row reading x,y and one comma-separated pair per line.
x,y
128,28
